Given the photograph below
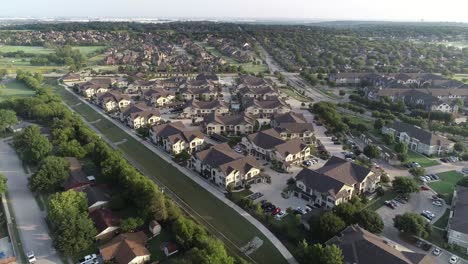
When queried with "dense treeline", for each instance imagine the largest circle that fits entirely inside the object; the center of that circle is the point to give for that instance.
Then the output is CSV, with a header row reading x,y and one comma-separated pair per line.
x,y
66,209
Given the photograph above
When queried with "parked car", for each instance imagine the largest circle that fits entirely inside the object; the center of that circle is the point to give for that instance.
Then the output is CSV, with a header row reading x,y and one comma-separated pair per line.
x,y
88,258
306,163
266,204
280,215
276,211
445,160
425,188
301,210
31,257
436,251
422,178
465,170
453,259
336,142
437,203
452,159
415,165
389,204
334,139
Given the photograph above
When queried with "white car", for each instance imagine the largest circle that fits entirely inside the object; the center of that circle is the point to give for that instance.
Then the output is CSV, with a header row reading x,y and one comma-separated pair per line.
x,y
437,203
453,259
31,257
465,170
423,179
87,259
280,215
436,251
429,213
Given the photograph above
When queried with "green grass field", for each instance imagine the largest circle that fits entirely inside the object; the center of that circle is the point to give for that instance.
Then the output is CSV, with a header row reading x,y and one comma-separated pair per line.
x,y
446,185
442,222
219,219
14,88
421,159
26,49
290,92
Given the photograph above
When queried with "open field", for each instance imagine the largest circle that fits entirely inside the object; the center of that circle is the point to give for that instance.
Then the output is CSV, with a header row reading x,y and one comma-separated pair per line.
x,y
14,89
26,49
85,50
421,159
446,185
442,222
219,219
290,92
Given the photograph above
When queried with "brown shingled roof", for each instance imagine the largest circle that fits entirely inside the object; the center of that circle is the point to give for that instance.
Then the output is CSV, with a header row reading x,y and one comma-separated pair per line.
x,y
125,247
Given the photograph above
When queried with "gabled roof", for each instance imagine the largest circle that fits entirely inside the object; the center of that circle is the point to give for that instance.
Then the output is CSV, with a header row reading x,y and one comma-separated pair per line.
x,y
176,131
125,247
420,134
359,246
227,120
266,139
197,91
207,76
296,127
104,218
217,155
459,220
95,194
157,93
112,95
205,104
292,146
250,80
243,165
270,103
344,171
291,117
258,91
319,182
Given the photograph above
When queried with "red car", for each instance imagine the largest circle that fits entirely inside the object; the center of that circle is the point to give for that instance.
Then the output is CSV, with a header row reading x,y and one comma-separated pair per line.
x,y
276,211
425,188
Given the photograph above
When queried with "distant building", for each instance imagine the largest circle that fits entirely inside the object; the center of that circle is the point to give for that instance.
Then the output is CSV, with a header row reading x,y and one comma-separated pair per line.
x,y
457,228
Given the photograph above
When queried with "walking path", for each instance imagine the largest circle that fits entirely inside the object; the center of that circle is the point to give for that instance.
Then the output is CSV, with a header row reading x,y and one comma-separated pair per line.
x,y
29,219
193,176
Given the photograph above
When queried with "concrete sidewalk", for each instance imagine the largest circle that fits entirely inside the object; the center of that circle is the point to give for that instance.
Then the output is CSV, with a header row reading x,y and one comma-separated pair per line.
x,y
31,224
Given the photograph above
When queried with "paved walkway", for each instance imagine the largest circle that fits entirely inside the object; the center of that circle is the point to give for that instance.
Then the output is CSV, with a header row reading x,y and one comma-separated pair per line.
x,y
192,175
29,219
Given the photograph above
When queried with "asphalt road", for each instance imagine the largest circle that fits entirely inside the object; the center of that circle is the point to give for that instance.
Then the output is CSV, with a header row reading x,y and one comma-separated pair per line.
x,y
30,221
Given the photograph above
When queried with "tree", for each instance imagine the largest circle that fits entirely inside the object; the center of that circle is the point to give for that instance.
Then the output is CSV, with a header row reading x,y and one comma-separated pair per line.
x,y
347,212
71,228
188,233
51,173
210,251
72,149
420,171
3,183
412,224
317,253
404,185
7,119
463,182
32,145
370,220
401,148
379,123
371,151
330,225
459,147
388,139
131,224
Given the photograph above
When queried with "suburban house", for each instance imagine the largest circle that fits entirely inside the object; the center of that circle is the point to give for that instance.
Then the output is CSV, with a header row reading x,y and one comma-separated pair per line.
x,y
198,84
261,93
158,96
71,77
222,165
195,108
95,86
128,248
96,197
77,179
112,100
432,99
175,137
269,145
140,85
457,228
204,93
265,110
208,77
237,124
139,115
293,125
251,82
107,223
336,182
360,246
418,139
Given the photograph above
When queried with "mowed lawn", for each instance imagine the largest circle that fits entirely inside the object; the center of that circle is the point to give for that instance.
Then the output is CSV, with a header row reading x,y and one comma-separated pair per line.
x,y
421,159
219,219
26,49
14,88
446,184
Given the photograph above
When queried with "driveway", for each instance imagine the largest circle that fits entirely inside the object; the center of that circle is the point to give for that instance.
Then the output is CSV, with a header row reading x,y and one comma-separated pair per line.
x,y
30,220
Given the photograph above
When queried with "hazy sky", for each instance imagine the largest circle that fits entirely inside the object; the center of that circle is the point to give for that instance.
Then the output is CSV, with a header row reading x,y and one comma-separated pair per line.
x,y
429,10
